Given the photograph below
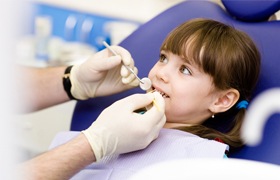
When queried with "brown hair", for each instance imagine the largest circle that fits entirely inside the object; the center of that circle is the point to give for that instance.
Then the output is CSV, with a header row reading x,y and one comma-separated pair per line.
x,y
230,57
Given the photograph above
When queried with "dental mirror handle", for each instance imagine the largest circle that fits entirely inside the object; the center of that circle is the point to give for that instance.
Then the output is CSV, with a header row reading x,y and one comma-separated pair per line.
x,y
112,51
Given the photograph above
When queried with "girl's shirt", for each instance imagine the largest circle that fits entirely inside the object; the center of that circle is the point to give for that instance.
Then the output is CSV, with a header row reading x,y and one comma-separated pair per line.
x,y
170,145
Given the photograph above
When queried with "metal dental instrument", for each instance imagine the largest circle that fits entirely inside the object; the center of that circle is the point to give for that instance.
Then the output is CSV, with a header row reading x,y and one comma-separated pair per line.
x,y
145,83
112,51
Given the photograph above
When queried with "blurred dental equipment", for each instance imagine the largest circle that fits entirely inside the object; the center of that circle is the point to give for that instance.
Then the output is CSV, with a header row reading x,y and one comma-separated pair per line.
x,y
258,112
43,31
145,83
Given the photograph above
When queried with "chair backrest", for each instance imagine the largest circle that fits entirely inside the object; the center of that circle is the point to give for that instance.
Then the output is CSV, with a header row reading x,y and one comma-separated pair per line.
x,y
251,10
144,46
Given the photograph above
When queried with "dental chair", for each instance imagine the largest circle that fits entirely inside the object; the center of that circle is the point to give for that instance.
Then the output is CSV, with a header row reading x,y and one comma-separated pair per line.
x,y
249,16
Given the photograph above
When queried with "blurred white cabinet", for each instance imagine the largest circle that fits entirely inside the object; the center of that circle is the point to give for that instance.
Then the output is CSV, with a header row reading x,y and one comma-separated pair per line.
x,y
38,129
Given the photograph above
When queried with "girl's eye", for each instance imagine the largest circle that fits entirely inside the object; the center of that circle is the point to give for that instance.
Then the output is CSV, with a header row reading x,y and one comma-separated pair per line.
x,y
163,59
185,70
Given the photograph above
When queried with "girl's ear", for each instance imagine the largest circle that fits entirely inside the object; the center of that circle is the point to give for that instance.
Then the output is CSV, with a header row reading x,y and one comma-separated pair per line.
x,y
225,101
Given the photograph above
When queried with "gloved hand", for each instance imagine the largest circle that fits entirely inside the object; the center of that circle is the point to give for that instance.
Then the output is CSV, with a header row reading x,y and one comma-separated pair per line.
x,y
103,74
118,129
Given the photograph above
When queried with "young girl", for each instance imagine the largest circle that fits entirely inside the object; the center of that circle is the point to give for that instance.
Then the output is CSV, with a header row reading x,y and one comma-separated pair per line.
x,y
206,73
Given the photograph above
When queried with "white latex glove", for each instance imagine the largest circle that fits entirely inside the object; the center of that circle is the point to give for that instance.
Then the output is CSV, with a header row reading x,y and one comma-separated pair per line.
x,y
103,74
118,129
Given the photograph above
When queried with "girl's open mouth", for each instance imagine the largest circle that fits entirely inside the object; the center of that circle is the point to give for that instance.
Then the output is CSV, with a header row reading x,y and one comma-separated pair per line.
x,y
161,93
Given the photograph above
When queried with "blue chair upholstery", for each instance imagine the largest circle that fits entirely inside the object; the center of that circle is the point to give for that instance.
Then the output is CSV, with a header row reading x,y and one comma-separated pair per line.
x,y
144,46
251,10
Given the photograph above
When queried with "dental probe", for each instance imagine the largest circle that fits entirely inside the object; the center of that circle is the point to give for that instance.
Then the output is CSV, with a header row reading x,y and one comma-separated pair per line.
x,y
145,83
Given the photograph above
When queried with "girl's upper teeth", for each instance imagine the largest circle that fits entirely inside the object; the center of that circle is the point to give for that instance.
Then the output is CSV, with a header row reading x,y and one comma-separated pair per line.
x,y
162,93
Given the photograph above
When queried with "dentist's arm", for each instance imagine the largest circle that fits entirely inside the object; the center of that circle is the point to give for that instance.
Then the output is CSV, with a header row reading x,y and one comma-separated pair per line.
x,y
40,87
117,130
61,162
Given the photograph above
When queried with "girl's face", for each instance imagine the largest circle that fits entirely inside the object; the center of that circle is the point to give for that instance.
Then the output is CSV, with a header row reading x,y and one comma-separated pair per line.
x,y
188,92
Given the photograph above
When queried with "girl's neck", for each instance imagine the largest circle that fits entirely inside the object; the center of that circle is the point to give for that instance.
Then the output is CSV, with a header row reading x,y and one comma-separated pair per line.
x,y
170,125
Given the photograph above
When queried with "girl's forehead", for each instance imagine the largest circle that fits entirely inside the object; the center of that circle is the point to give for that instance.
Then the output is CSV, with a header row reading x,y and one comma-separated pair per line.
x,y
189,48
190,58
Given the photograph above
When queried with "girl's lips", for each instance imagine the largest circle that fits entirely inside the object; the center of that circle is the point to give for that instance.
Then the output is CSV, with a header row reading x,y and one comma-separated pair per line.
x,y
163,94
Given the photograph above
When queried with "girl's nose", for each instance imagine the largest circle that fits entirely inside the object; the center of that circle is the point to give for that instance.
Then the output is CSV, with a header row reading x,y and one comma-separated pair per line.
x,y
163,74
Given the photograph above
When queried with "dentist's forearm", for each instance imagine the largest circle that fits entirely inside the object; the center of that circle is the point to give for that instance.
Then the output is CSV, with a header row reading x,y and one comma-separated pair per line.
x,y
62,162
41,88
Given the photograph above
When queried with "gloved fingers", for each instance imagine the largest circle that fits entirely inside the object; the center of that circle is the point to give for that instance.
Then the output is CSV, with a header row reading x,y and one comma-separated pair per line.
x,y
156,112
156,129
154,117
125,55
112,61
129,63
160,125
137,101
106,64
159,102
154,126
128,77
125,72
134,83
151,131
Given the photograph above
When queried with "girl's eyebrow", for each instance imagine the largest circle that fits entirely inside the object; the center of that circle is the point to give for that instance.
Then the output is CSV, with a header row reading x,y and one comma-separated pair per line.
x,y
192,65
186,59
163,51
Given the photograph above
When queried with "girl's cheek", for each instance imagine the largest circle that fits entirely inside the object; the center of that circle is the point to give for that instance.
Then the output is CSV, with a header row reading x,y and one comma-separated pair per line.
x,y
151,73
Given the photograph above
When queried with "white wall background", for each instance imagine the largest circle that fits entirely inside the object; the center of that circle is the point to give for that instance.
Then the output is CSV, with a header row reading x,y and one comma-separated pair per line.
x,y
10,18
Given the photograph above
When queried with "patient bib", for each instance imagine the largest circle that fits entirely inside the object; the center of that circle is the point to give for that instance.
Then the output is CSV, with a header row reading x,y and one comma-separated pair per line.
x,y
170,145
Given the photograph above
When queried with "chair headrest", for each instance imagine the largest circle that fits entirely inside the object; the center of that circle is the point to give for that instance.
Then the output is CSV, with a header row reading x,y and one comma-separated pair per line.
x,y
251,10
